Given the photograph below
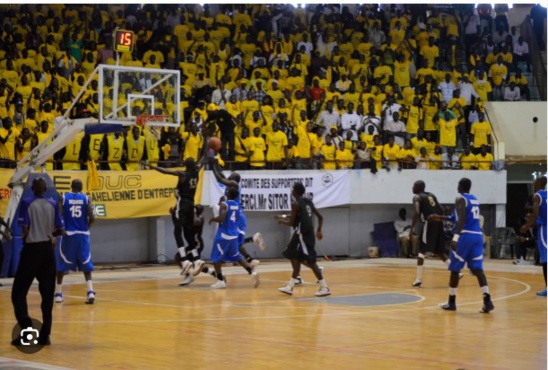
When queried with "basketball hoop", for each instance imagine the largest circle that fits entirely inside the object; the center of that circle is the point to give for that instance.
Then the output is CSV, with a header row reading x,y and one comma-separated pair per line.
x,y
152,123
151,120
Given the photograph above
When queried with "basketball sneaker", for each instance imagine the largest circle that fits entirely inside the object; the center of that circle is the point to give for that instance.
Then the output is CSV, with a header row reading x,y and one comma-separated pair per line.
x,y
487,307
58,297
287,289
259,240
254,263
417,283
187,280
324,291
219,285
461,275
255,279
91,297
299,281
198,264
448,306
187,265
541,294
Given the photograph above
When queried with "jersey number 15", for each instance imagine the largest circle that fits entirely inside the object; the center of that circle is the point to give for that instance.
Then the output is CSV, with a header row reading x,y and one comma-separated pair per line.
x,y
76,211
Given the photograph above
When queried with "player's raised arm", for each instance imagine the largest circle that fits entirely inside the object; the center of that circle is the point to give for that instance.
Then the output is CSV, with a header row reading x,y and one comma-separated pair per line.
x,y
164,171
221,177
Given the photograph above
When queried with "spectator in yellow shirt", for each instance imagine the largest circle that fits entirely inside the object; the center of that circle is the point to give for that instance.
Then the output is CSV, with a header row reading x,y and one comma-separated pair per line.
x,y
328,153
435,159
498,73
448,130
8,139
391,153
485,159
480,133
242,150
430,52
193,143
521,82
423,159
234,107
407,156
401,71
305,146
376,153
344,157
468,160
276,142
257,146
483,87
381,72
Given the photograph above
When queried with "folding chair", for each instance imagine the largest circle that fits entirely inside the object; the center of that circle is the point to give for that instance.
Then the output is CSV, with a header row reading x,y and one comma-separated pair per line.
x,y
504,237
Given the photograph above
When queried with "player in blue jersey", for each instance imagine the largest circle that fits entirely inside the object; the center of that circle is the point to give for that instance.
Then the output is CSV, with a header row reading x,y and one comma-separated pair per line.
x,y
225,243
467,246
6,233
233,180
538,216
74,251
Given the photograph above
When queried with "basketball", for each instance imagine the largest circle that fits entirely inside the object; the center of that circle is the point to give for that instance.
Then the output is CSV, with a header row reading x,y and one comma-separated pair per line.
x,y
214,143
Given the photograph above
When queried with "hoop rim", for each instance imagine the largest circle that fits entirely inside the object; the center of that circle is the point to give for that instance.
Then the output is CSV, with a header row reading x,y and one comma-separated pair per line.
x,y
149,119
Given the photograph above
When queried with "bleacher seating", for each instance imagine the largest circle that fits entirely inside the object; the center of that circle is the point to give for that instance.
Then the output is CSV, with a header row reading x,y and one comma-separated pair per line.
x,y
376,50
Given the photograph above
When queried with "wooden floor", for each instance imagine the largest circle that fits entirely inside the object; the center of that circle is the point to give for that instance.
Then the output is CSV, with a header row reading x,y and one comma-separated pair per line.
x,y
143,319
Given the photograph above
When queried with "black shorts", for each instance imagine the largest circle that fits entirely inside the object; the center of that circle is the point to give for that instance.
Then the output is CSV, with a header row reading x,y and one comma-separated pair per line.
x,y
301,248
184,213
432,238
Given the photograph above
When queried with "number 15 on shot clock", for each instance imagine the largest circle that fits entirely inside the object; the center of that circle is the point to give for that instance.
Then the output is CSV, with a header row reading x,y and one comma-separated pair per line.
x,y
124,40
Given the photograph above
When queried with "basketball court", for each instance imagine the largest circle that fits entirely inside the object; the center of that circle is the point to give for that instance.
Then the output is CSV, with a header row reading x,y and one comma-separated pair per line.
x,y
373,319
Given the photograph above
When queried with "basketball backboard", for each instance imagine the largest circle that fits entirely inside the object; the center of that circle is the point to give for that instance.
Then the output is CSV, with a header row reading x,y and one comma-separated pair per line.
x,y
127,92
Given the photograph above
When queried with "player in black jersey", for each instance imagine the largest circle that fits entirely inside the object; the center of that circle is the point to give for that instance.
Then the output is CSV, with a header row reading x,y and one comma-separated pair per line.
x,y
432,237
198,230
300,249
183,213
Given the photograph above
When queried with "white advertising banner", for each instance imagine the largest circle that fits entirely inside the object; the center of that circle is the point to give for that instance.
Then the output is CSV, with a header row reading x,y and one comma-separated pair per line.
x,y
273,192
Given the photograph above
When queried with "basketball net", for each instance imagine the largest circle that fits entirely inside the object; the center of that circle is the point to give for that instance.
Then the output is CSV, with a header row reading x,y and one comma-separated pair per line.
x,y
152,124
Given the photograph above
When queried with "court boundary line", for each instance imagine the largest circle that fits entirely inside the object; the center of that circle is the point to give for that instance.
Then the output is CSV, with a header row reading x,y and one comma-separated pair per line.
x,y
370,310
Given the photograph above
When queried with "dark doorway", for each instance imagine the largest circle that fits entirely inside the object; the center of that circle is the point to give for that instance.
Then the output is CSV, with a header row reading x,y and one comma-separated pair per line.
x,y
517,196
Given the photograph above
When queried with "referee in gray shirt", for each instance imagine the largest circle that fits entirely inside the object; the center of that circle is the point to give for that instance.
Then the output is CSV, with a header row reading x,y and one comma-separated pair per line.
x,y
40,221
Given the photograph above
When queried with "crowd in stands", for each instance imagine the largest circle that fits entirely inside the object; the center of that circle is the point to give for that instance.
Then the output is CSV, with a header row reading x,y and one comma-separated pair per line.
x,y
395,87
